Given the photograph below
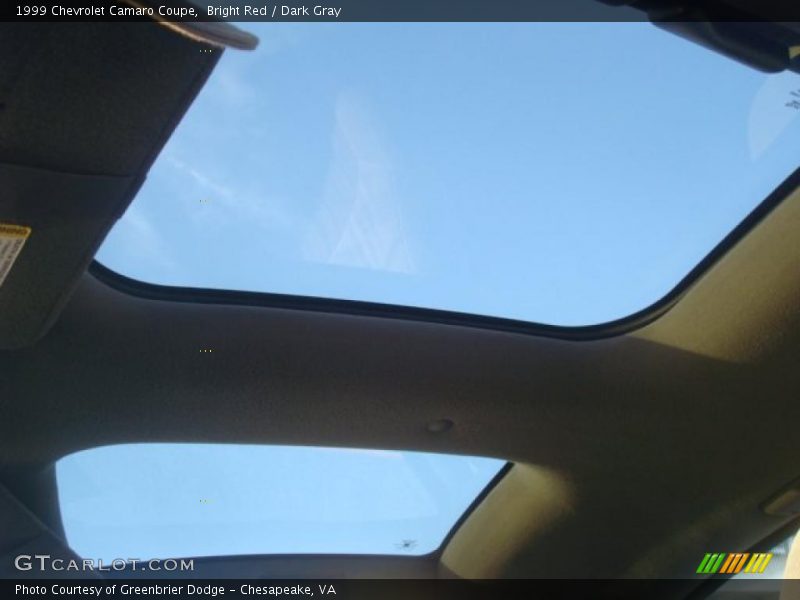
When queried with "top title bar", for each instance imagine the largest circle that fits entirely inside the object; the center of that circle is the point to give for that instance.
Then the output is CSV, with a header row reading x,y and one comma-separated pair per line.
x,y
408,11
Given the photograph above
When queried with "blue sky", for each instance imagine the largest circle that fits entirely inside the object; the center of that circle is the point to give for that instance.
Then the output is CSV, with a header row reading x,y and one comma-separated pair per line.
x,y
158,500
563,173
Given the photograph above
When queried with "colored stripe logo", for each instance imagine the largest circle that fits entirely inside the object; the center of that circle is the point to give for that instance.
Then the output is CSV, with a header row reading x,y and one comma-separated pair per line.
x,y
732,563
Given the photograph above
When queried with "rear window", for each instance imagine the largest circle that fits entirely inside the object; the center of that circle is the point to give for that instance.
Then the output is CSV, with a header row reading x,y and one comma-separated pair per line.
x,y
147,501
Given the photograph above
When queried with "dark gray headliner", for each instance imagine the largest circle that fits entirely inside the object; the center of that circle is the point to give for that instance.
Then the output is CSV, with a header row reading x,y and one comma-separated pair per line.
x,y
669,436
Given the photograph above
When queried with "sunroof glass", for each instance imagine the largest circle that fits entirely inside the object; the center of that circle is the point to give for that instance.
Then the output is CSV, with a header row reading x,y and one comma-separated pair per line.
x,y
562,173
145,501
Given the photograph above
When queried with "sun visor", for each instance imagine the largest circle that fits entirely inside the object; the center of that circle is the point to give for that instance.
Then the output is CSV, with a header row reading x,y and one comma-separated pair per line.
x,y
214,32
51,224
85,108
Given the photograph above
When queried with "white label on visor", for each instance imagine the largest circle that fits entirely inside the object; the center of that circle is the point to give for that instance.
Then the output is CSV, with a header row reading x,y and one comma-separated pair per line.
x,y
12,239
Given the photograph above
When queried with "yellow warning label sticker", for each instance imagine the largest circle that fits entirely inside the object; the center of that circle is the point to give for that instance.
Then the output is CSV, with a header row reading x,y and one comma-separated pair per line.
x,y
12,239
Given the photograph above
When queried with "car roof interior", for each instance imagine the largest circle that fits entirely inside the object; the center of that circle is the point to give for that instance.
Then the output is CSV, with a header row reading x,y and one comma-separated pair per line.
x,y
634,446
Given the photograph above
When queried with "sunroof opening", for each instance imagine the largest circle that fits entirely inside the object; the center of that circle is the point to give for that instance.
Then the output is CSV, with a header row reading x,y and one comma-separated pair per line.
x,y
144,501
561,173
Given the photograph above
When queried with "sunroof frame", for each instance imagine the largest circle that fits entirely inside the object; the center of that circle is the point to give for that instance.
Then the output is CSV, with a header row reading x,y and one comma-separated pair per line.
x,y
616,327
